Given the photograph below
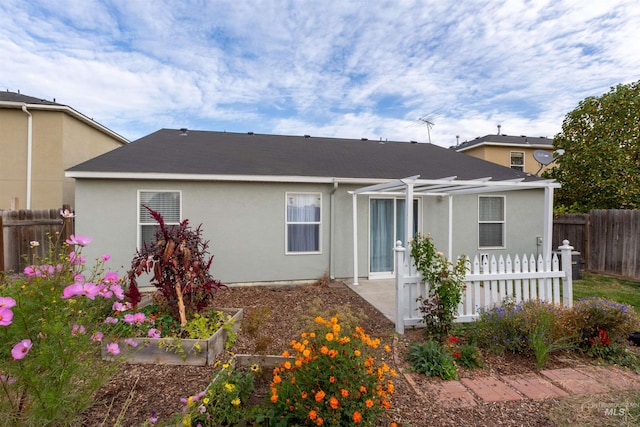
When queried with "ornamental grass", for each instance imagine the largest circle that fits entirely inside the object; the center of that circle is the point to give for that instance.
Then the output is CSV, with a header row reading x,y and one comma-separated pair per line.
x,y
331,380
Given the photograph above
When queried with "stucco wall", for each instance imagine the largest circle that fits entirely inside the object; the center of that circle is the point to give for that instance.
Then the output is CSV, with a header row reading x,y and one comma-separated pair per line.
x,y
59,141
245,224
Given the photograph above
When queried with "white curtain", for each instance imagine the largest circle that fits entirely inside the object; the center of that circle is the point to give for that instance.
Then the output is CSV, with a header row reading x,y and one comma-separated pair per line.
x,y
382,235
303,223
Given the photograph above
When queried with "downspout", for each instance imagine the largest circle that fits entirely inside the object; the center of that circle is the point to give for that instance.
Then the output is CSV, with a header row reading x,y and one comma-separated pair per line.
x,y
29,152
332,201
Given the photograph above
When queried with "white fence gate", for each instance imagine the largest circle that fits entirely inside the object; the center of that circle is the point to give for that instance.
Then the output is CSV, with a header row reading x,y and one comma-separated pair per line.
x,y
488,283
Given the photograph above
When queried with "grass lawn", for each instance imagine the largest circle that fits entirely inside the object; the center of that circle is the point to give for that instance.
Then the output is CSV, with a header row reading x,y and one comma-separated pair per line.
x,y
619,290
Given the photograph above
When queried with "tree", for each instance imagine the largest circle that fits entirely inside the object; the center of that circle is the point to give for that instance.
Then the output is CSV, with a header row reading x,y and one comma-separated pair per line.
x,y
600,168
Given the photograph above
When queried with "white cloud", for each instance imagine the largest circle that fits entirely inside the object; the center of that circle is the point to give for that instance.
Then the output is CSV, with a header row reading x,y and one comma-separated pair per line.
x,y
343,69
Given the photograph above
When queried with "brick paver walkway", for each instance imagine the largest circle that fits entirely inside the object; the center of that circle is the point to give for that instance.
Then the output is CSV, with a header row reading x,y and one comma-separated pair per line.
x,y
552,383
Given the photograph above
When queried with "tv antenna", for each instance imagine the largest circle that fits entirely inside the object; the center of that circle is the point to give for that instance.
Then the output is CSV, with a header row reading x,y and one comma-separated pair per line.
x,y
429,122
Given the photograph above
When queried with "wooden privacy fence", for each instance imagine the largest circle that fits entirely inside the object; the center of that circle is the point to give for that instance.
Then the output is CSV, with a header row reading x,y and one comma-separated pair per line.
x,y
488,283
19,228
608,240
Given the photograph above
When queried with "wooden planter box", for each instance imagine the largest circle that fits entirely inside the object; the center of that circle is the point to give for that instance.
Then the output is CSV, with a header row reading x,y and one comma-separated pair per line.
x,y
264,361
150,351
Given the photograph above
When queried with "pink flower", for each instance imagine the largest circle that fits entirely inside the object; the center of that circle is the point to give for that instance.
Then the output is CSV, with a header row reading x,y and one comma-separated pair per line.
x,y
104,291
111,277
97,336
30,271
21,349
119,306
105,257
79,240
139,317
6,379
6,316
88,289
7,302
76,259
34,243
66,214
153,333
131,342
117,290
113,348
77,329
111,320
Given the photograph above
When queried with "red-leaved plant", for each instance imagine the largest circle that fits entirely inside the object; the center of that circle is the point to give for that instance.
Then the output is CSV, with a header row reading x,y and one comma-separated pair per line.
x,y
179,264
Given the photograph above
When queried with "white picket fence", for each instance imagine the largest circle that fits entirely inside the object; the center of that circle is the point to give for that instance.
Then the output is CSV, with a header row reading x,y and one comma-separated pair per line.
x,y
488,283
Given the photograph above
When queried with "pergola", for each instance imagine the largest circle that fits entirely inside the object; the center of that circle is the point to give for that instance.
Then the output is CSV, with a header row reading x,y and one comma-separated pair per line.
x,y
450,187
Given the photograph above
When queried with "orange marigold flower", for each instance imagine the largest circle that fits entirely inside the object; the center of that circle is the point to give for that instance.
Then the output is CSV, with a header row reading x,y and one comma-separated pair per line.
x,y
298,363
287,365
324,349
312,335
286,354
333,402
304,395
319,396
334,320
345,340
320,320
363,389
357,353
369,403
306,352
386,404
333,353
329,336
357,417
312,414
319,421
393,372
393,424
277,379
368,362
387,348
332,379
274,398
293,380
344,392
336,329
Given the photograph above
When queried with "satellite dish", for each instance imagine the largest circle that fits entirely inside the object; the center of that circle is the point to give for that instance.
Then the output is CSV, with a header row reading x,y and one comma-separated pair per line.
x,y
543,157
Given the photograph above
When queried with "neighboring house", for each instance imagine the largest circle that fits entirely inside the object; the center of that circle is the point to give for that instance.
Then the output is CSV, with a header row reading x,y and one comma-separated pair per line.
x,y
289,208
515,152
39,139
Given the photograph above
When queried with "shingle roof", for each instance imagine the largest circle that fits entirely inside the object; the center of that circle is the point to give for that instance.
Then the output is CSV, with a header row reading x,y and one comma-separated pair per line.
x,y
222,153
18,97
521,140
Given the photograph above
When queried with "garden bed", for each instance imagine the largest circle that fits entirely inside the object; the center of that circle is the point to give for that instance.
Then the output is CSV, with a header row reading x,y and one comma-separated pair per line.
x,y
184,351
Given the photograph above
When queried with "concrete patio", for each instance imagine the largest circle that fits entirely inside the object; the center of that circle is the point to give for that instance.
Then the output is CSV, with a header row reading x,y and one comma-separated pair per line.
x,y
380,293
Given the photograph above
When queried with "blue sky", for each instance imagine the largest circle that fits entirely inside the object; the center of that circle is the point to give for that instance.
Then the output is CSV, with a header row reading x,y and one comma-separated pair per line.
x,y
347,69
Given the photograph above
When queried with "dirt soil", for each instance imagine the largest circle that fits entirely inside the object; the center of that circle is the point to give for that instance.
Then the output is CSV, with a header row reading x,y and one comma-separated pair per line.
x,y
273,317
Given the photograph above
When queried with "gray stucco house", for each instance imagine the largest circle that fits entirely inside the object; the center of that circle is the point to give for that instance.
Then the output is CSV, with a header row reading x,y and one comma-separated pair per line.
x,y
292,208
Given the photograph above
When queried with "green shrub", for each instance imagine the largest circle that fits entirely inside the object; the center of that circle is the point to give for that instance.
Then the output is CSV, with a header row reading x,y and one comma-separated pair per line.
x,y
433,360
590,314
469,357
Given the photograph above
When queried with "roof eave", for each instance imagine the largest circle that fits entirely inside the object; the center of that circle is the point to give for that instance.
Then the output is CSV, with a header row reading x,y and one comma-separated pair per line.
x,y
66,109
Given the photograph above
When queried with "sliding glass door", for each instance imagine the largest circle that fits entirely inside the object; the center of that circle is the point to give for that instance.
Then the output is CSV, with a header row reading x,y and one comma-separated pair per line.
x,y
386,226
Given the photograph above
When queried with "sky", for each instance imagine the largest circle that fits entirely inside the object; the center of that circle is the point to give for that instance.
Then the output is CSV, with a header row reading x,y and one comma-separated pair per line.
x,y
425,70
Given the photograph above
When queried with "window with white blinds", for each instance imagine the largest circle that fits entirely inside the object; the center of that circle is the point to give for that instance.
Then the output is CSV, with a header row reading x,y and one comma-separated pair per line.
x,y
167,203
303,220
491,221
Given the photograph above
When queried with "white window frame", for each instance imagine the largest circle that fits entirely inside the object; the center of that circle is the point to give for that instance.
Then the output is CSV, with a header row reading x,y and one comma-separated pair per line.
x,y
287,222
140,224
516,166
503,222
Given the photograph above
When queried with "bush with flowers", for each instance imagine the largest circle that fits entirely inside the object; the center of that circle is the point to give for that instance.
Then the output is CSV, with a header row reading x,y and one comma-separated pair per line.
x,y
50,332
224,402
331,380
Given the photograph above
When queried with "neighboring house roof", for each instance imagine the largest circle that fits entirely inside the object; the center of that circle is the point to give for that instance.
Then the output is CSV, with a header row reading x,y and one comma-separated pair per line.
x,y
205,155
18,100
506,140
